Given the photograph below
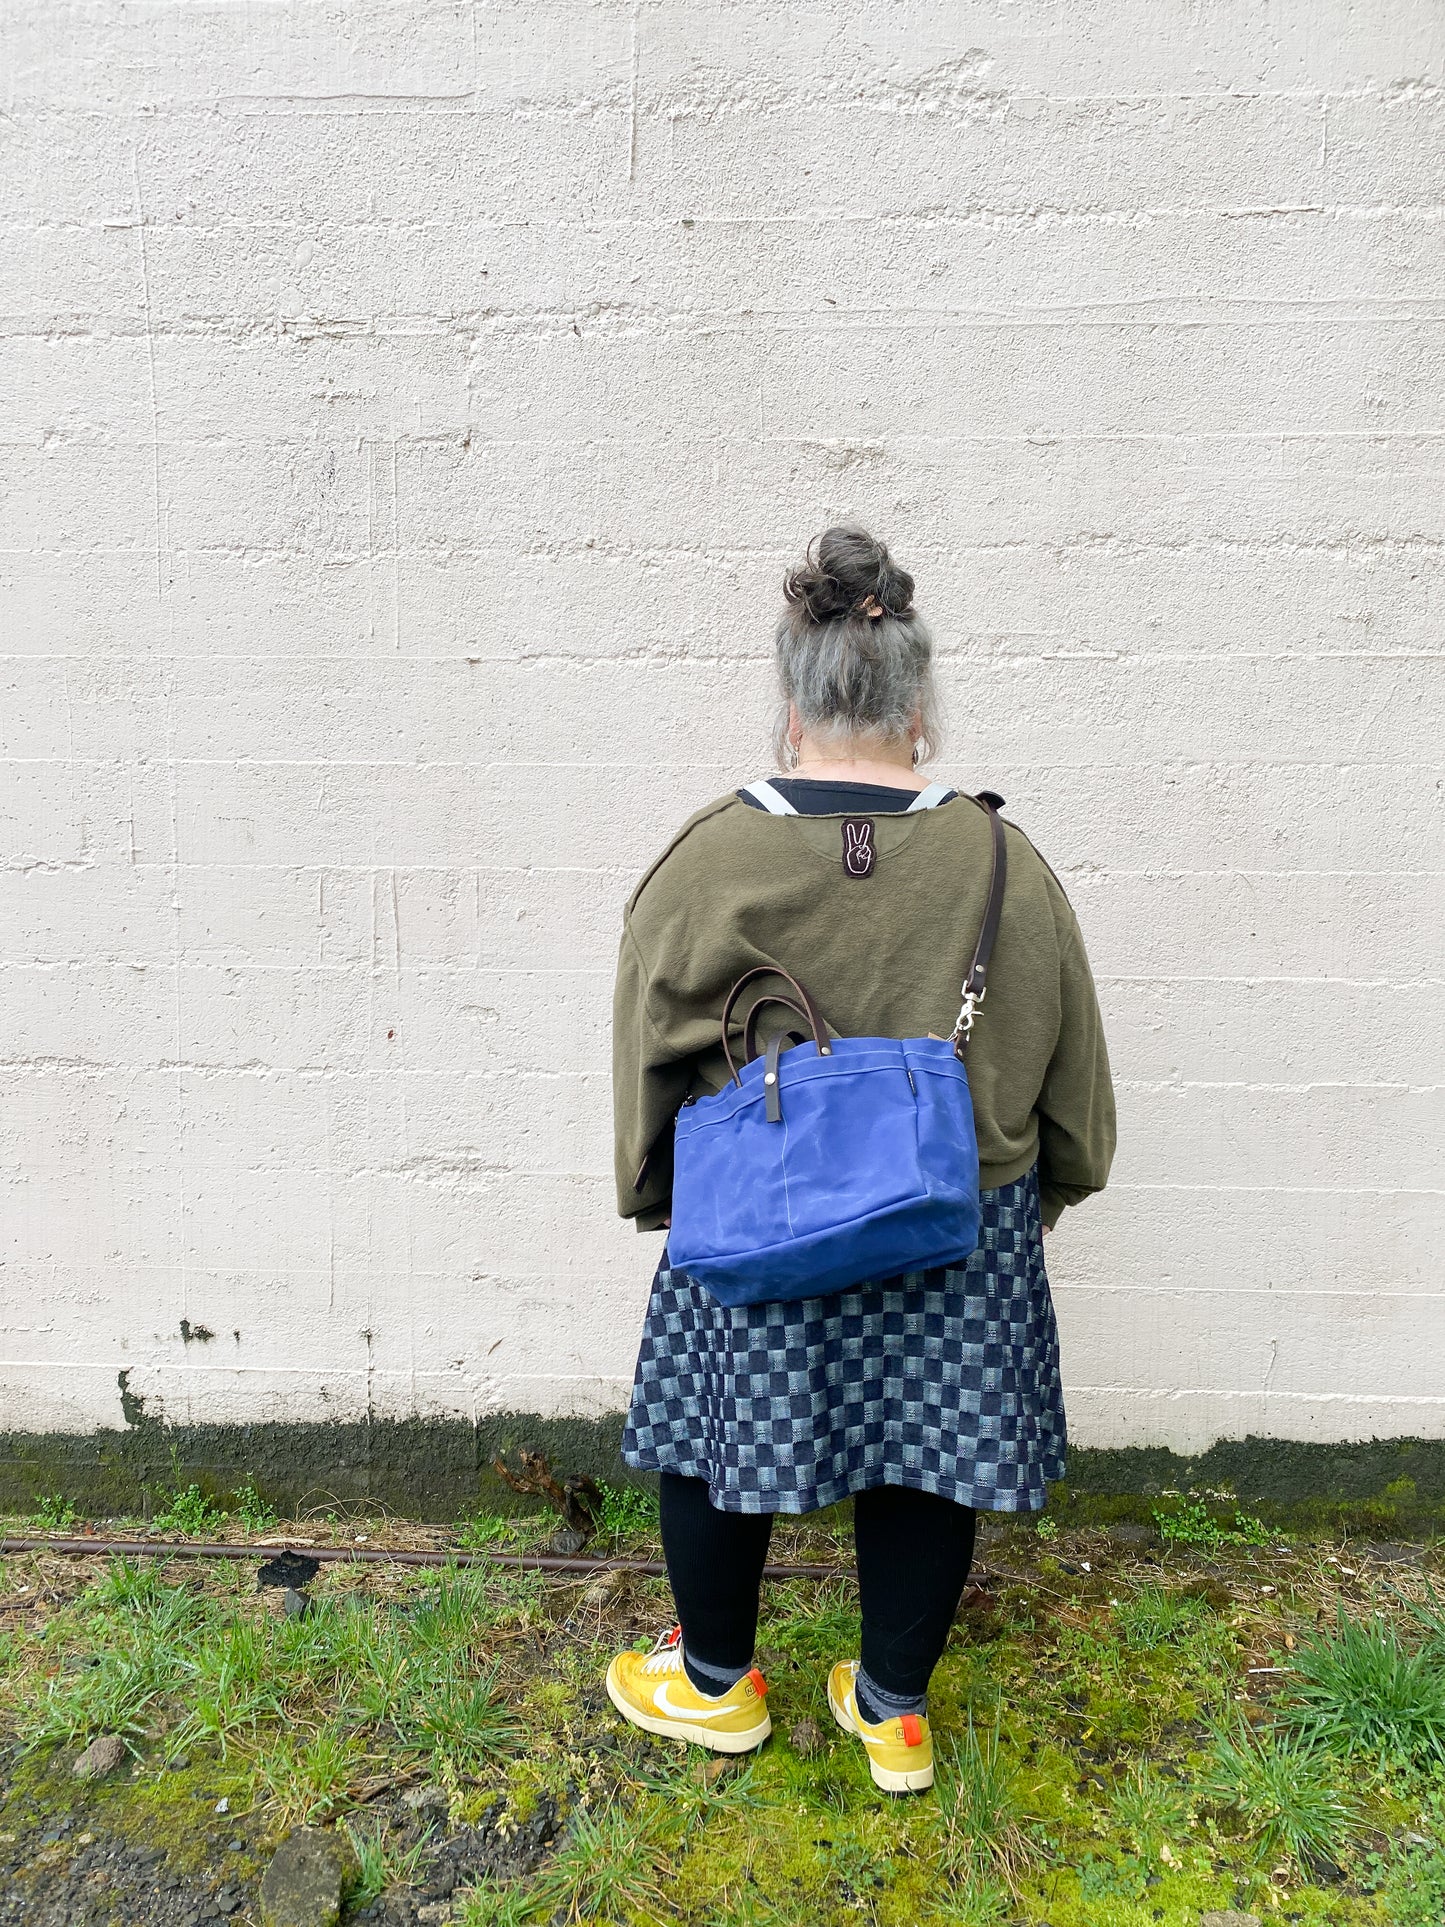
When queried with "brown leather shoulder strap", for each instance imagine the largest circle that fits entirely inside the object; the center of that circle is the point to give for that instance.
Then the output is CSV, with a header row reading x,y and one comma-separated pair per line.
x,y
993,908
975,983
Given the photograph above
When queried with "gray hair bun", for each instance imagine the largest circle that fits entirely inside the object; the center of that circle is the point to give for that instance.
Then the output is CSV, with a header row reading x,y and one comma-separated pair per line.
x,y
855,659
846,569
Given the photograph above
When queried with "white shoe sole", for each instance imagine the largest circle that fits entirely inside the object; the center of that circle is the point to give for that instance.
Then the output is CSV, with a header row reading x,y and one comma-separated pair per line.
x,y
918,1781
715,1742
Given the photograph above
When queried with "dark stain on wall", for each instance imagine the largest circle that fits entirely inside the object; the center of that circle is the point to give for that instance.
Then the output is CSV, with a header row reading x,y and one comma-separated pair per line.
x,y
200,1334
132,1405
442,1469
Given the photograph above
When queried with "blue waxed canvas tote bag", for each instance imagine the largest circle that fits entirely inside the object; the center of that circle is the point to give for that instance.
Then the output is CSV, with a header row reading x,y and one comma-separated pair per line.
x,y
836,1161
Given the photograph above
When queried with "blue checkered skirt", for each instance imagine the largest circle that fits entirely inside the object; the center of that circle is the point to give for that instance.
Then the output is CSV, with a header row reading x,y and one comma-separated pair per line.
x,y
944,1380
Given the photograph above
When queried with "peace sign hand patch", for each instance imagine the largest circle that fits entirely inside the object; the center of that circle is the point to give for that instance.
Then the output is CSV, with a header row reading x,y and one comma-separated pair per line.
x,y
858,851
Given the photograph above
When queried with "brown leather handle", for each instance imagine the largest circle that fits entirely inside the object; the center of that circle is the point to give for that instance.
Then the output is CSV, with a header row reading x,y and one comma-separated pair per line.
x,y
814,1016
750,1025
772,1092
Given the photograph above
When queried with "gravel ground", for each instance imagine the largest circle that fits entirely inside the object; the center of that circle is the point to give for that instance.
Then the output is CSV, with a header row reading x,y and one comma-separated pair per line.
x,y
72,1873
67,1874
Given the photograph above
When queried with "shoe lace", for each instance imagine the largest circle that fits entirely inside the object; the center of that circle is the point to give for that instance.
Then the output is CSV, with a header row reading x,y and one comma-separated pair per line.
x,y
666,1654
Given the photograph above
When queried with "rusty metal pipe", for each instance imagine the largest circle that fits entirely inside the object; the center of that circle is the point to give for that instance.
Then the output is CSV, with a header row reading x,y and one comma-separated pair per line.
x,y
378,1555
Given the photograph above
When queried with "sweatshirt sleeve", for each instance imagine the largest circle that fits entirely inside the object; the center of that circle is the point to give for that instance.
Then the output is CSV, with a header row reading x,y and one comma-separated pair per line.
x,y
649,1082
1076,1104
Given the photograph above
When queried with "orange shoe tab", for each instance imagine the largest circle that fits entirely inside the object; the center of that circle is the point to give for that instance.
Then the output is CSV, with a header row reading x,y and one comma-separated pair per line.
x,y
912,1729
760,1685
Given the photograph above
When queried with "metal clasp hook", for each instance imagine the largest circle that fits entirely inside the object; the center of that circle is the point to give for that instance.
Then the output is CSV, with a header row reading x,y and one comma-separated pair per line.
x,y
959,1035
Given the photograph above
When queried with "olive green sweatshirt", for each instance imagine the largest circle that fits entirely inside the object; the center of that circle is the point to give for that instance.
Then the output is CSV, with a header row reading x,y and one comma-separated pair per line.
x,y
884,955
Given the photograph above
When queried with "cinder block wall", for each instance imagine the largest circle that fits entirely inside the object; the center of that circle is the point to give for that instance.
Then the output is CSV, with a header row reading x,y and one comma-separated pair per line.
x,y
408,413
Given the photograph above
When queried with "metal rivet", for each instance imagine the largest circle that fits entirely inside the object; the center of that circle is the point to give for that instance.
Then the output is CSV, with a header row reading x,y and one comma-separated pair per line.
x,y
771,1078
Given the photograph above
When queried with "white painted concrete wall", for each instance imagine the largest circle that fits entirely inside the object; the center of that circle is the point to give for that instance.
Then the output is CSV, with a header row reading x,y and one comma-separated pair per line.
x,y
408,412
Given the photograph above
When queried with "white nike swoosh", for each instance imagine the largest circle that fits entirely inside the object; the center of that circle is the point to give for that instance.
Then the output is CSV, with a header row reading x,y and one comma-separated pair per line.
x,y
662,1701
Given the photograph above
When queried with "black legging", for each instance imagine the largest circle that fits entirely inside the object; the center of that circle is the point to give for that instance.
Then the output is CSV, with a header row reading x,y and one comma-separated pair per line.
x,y
913,1548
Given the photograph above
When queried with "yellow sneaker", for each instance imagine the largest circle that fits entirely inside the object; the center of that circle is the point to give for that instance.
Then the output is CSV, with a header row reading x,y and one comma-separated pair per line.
x,y
654,1692
900,1752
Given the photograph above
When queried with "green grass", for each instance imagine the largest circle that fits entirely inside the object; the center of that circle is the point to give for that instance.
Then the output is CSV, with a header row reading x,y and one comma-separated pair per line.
x,y
1153,1615
1146,1809
1094,1764
610,1867
983,1824
1361,1691
312,1777
381,1865
1285,1794
493,1904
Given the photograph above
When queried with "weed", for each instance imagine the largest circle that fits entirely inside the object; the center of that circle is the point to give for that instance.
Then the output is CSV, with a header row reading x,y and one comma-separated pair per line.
x,y
309,1779
689,1796
1359,1691
815,1631
857,1872
255,1513
514,1598
129,1668
486,1529
231,1687
1147,1808
54,1512
463,1721
469,1601
1413,1883
1151,1615
188,1512
491,1905
1431,1617
1093,1661
381,1866
1192,1524
380,1680
109,1695
1047,1528
977,1901
982,1819
628,1509
126,1587
608,1867
1104,1878
744,1904
1413,1887
1282,1791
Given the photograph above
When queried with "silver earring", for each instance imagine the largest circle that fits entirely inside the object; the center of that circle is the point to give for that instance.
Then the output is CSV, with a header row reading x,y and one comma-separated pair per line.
x,y
791,758
917,754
